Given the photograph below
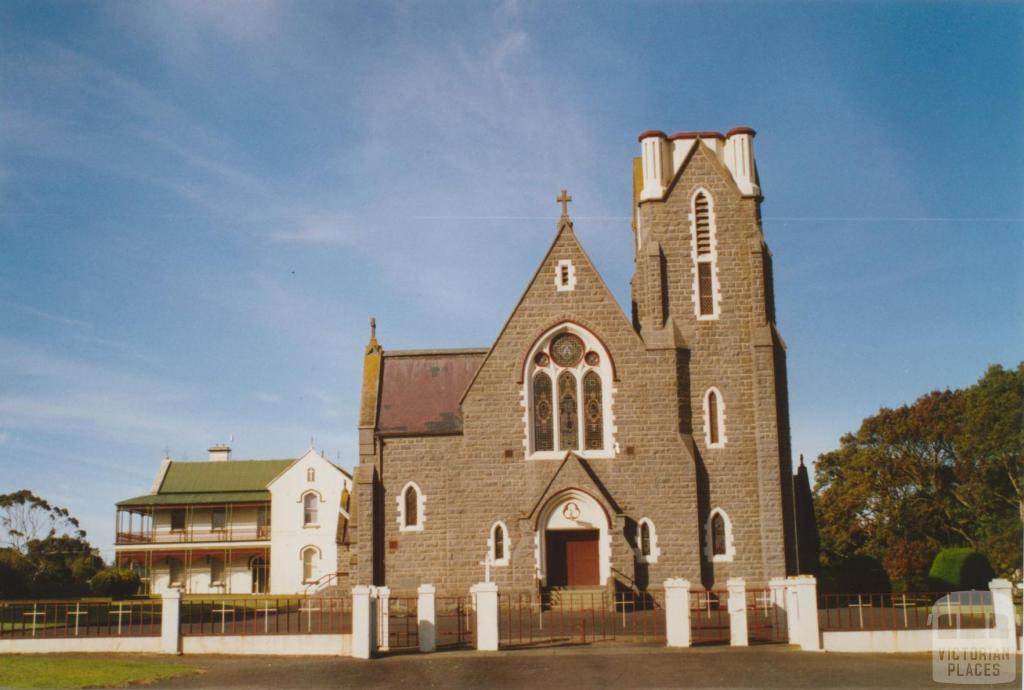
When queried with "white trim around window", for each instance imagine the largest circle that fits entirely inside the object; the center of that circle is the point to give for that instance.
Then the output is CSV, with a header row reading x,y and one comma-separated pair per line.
x,y
421,504
506,545
717,420
653,550
730,547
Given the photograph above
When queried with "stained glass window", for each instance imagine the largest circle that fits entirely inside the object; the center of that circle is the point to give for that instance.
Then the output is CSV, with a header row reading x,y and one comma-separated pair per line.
x,y
543,419
566,350
594,411
568,412
718,535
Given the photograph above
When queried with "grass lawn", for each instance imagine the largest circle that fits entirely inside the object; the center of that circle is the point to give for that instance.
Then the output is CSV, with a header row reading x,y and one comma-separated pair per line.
x,y
55,671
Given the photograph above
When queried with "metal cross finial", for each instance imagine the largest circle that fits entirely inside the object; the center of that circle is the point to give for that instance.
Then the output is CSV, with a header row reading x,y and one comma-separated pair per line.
x,y
564,200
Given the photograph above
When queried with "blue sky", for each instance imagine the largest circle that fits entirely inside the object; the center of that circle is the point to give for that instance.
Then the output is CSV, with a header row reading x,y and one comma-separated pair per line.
x,y
202,204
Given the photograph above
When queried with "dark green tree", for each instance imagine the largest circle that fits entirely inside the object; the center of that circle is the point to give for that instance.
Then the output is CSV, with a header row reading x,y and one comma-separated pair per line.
x,y
943,472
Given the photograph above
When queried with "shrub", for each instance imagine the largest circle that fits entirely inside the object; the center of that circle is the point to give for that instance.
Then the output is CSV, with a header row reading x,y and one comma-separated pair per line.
x,y
115,583
959,569
856,574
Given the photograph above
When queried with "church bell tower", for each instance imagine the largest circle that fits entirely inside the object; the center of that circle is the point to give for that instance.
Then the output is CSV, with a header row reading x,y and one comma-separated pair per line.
x,y
702,287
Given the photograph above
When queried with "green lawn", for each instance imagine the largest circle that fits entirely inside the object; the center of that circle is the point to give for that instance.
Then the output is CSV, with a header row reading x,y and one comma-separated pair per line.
x,y
55,671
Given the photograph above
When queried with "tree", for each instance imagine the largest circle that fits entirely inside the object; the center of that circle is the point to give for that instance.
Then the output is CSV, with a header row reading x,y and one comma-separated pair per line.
x,y
942,472
25,516
47,553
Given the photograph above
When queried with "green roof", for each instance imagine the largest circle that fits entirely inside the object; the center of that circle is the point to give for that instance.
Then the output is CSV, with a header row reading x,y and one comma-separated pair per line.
x,y
230,481
196,498
218,477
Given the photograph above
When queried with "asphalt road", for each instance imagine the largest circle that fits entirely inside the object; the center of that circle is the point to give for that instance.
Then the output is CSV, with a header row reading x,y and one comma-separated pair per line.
x,y
572,668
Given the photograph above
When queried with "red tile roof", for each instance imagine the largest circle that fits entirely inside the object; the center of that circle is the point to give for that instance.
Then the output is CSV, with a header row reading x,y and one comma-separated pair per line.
x,y
420,390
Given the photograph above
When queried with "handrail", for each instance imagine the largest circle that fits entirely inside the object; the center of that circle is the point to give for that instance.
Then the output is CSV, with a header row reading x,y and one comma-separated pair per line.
x,y
322,582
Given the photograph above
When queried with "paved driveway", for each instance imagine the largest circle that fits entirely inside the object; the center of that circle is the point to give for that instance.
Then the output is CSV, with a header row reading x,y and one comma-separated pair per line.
x,y
573,668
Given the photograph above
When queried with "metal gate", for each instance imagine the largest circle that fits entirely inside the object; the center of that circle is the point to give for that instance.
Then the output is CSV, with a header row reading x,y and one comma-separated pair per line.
x,y
570,617
766,622
454,618
709,617
398,624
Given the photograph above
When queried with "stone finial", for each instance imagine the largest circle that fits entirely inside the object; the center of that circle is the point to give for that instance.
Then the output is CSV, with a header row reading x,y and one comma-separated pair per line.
x,y
373,328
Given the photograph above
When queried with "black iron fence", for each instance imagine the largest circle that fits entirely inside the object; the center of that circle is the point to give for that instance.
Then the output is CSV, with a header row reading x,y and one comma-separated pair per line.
x,y
266,615
80,618
905,611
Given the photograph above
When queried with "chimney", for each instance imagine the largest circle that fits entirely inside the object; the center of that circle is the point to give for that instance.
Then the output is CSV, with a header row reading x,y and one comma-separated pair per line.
x,y
220,453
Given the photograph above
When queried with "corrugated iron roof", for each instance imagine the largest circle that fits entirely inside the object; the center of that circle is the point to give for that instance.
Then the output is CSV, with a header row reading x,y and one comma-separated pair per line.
x,y
197,498
216,477
420,390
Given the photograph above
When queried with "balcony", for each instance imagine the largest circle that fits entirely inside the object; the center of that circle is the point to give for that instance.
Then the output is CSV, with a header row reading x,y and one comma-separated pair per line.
x,y
231,533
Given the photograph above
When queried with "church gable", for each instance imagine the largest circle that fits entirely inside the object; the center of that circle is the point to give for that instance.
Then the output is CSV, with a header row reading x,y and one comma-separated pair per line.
x,y
566,289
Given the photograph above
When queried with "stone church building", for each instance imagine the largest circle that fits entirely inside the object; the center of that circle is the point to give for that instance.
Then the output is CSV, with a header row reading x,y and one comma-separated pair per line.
x,y
588,447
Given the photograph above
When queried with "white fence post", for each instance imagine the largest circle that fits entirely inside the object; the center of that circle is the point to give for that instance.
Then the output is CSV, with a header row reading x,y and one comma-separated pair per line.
x,y
1002,607
737,611
426,624
486,596
802,612
364,628
677,612
170,622
383,618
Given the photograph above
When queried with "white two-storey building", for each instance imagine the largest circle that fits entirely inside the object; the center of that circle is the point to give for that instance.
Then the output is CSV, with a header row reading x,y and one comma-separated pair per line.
x,y
226,526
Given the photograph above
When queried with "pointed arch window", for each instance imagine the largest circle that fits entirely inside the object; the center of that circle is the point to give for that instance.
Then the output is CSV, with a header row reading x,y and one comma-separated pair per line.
x,y
593,410
718,537
714,419
568,412
498,544
705,255
411,503
567,388
412,517
647,550
543,417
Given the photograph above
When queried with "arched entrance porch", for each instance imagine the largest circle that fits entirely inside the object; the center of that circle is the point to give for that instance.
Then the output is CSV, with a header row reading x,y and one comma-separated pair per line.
x,y
573,541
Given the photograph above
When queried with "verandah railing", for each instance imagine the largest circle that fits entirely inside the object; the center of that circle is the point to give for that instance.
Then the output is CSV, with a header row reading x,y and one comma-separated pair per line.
x,y
80,618
248,615
905,611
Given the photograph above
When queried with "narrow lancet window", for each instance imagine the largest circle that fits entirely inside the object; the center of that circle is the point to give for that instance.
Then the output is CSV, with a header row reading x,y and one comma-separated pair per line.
x,y
713,418
594,411
411,507
543,419
718,535
568,415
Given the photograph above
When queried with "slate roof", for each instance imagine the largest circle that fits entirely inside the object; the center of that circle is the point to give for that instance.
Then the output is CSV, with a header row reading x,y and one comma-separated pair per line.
x,y
420,390
230,481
